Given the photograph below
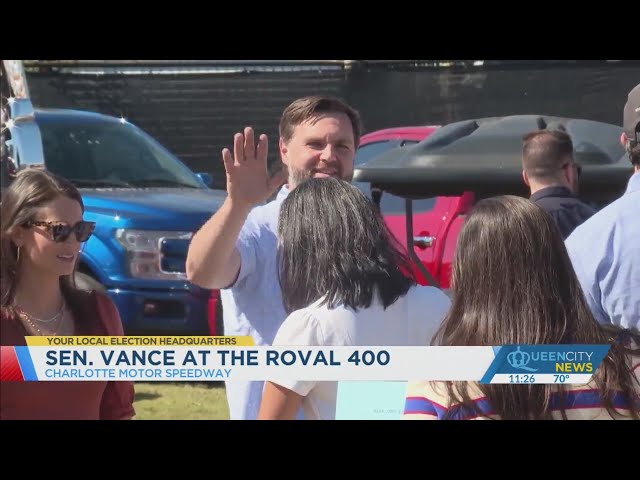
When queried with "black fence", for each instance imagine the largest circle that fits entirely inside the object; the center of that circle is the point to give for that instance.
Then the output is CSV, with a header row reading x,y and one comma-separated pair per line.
x,y
194,108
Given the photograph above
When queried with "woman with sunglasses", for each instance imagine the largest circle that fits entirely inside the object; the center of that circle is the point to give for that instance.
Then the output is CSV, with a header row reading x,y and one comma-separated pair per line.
x,y
42,231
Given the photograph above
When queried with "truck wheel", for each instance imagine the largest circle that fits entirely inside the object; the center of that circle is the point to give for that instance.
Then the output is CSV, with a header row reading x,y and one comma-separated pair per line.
x,y
86,282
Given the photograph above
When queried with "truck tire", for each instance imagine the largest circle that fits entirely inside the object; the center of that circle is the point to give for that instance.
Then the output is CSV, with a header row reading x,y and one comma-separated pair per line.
x,y
86,282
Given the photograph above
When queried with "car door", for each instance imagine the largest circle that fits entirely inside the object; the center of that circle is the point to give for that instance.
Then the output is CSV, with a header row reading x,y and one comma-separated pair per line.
x,y
428,213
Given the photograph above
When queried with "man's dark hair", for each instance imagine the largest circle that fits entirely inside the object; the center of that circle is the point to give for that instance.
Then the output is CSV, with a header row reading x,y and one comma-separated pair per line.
x,y
631,124
633,149
545,152
306,108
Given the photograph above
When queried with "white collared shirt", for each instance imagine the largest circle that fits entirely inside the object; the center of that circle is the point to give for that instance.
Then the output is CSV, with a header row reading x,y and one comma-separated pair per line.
x,y
253,305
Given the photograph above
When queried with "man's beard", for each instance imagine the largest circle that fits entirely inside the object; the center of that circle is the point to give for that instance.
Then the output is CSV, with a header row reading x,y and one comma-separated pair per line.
x,y
296,177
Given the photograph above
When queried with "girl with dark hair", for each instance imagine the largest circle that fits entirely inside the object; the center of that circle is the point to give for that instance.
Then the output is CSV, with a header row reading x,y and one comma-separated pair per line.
x,y
345,281
42,230
513,283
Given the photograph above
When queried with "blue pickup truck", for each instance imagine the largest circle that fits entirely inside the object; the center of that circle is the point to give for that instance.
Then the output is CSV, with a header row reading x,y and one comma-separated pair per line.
x,y
146,204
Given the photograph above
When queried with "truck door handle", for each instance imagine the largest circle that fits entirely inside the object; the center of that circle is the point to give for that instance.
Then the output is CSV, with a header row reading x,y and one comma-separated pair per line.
x,y
423,241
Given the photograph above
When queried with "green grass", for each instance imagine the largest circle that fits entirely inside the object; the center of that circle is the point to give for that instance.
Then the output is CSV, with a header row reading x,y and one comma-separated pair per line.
x,y
180,401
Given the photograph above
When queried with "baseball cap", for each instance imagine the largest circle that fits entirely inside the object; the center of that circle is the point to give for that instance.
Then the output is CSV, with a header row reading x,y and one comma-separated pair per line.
x,y
631,115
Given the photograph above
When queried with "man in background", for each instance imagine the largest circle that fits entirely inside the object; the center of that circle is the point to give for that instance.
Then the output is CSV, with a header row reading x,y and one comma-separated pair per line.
x,y
552,174
605,250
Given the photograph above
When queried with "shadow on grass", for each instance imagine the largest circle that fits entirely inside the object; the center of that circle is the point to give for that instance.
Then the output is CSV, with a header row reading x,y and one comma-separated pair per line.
x,y
146,396
213,385
209,384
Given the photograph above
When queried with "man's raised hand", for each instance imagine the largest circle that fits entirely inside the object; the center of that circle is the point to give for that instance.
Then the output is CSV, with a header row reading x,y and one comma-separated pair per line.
x,y
248,180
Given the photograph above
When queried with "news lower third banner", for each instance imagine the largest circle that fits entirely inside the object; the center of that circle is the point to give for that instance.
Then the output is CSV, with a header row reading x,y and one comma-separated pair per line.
x,y
237,358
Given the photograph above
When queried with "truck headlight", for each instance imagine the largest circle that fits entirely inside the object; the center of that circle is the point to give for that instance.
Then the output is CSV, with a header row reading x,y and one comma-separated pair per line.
x,y
155,254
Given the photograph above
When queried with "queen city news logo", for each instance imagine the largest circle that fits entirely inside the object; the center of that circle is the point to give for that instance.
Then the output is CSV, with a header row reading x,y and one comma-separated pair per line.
x,y
555,358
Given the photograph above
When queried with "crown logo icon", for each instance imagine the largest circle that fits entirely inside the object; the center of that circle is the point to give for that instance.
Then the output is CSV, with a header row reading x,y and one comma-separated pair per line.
x,y
520,360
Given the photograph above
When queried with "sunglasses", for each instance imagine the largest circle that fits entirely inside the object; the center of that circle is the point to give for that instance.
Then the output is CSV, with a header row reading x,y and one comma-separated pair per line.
x,y
60,232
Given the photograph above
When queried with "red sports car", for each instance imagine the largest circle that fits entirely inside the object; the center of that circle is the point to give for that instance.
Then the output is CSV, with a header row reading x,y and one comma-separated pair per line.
x,y
467,161
436,220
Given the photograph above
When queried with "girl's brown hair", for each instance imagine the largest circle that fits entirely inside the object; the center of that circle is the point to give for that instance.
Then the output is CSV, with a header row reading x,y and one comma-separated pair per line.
x,y
513,283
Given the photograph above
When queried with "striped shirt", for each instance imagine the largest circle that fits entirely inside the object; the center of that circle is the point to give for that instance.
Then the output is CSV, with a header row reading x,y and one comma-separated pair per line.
x,y
430,401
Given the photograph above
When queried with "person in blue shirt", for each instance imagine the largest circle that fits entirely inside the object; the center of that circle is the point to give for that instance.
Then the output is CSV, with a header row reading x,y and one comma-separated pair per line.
x,y
236,250
605,250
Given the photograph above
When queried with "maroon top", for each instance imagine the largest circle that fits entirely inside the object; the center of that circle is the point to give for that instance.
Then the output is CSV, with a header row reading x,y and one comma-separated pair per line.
x,y
44,400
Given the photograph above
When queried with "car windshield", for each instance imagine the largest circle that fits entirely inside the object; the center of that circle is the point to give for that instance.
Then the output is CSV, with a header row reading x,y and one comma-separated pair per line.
x,y
112,155
389,204
368,151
